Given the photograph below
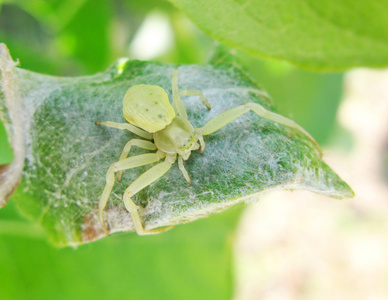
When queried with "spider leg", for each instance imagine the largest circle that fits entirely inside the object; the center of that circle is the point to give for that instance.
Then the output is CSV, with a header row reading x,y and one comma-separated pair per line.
x,y
127,126
128,163
202,143
183,170
176,100
134,142
182,93
177,94
141,182
228,116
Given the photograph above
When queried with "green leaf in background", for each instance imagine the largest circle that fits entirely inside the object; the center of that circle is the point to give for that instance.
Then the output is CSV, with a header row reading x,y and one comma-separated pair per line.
x,y
191,262
324,35
62,36
67,155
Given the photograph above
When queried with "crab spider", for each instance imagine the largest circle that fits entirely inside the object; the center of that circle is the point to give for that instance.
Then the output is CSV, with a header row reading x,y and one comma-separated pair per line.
x,y
151,116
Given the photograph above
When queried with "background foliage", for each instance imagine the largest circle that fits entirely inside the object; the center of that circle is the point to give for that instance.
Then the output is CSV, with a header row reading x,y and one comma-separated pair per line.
x,y
73,37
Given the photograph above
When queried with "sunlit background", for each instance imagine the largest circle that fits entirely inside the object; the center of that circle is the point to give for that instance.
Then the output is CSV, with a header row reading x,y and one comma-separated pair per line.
x,y
289,246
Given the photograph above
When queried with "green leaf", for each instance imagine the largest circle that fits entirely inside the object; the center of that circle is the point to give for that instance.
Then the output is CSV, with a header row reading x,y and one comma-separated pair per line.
x,y
67,155
329,35
190,262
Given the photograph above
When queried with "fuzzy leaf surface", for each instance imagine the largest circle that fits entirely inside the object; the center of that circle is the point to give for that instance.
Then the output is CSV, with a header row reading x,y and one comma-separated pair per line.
x,y
67,155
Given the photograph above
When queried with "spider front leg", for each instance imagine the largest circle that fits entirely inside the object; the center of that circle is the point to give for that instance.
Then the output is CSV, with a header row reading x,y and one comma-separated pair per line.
x,y
128,163
140,183
183,170
228,116
199,93
176,94
134,142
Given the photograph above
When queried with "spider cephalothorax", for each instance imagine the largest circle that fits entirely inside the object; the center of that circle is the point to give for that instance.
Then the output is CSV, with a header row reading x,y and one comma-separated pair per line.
x,y
151,116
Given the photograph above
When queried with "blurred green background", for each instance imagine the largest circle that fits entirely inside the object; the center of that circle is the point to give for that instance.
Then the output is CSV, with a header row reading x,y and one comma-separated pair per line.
x,y
192,261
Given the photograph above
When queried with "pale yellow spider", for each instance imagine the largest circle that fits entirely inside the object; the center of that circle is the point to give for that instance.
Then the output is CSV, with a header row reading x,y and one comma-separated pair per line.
x,y
147,107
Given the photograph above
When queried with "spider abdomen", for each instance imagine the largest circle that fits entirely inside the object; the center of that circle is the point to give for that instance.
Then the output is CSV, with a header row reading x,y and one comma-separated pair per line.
x,y
148,107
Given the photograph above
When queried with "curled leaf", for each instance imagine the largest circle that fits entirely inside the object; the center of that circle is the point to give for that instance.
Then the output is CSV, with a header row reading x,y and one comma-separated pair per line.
x,y
67,155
